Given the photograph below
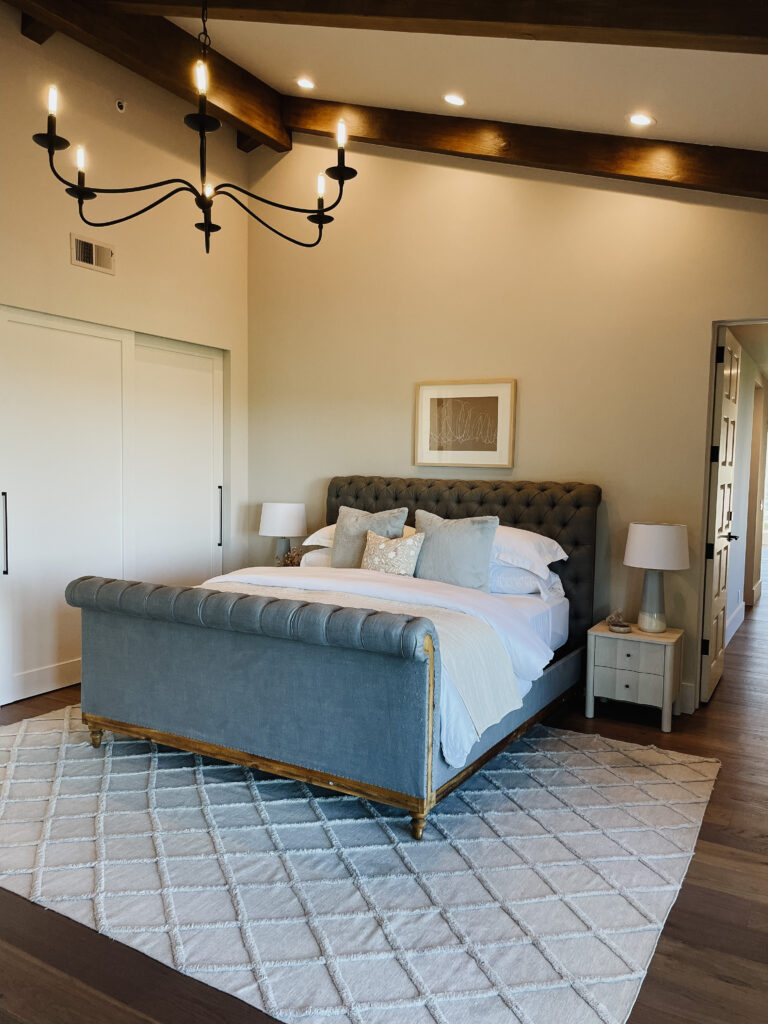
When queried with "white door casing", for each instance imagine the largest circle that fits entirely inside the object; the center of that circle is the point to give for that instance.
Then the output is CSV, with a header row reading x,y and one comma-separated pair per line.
x,y
720,510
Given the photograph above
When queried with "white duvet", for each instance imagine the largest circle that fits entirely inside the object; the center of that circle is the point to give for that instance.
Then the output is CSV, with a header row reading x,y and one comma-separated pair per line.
x,y
488,650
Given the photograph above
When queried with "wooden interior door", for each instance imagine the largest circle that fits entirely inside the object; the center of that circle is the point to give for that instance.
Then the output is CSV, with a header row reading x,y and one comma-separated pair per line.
x,y
753,583
720,516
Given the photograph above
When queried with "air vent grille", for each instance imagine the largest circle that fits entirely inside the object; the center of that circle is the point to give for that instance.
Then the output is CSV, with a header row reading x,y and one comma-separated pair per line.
x,y
91,255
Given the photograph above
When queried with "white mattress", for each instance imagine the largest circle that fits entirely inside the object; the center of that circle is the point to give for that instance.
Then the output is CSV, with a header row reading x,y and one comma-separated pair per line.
x,y
548,618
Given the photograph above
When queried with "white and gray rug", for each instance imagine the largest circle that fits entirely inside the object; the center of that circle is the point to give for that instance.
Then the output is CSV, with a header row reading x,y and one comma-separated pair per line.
x,y
537,895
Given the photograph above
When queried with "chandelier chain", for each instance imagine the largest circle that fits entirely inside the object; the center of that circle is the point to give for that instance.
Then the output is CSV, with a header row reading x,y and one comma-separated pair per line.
x,y
203,38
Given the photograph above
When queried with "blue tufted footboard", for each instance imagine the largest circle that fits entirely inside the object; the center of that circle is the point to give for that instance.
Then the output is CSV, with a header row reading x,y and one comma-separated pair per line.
x,y
340,697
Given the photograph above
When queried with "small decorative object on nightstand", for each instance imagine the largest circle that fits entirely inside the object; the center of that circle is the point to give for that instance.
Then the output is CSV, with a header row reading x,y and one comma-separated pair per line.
x,y
617,623
292,558
655,547
642,668
283,519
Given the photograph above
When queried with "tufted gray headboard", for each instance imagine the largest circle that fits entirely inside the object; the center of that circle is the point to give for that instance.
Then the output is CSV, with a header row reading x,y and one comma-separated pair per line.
x,y
566,512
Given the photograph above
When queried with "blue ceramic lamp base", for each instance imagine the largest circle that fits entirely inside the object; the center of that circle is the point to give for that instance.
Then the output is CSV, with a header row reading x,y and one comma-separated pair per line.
x,y
652,617
283,547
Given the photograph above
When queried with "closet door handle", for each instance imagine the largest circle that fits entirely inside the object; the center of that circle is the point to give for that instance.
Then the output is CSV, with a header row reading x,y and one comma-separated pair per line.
x,y
221,516
5,532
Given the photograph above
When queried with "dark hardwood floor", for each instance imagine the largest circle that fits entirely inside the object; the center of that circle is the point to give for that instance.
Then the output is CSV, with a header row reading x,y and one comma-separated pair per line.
x,y
711,964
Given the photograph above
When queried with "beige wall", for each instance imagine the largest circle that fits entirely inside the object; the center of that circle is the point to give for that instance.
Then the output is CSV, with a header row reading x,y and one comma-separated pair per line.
x,y
598,297
165,284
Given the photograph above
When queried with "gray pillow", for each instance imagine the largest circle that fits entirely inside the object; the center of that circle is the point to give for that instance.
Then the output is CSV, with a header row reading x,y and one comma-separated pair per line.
x,y
352,527
456,551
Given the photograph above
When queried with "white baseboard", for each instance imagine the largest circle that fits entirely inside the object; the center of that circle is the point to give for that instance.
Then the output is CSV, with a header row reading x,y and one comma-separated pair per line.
x,y
686,699
40,680
733,622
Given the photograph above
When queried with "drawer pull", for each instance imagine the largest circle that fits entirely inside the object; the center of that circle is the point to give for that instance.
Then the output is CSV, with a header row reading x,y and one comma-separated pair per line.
x,y
626,686
629,654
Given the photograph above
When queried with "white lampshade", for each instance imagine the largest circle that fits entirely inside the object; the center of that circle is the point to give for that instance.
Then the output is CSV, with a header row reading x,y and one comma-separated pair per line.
x,y
657,546
283,519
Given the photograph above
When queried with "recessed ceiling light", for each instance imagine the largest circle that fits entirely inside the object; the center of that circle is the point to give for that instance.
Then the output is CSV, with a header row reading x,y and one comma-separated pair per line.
x,y
454,99
305,83
641,120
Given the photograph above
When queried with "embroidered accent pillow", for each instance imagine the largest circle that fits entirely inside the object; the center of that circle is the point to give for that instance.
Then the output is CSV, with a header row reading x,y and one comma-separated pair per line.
x,y
398,556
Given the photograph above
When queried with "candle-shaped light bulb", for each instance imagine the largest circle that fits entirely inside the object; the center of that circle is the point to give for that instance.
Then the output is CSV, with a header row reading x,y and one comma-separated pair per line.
x,y
80,158
341,134
208,191
53,100
201,77
321,186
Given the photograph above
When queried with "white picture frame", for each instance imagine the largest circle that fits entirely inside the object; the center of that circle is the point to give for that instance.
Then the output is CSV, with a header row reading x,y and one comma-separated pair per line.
x,y
465,423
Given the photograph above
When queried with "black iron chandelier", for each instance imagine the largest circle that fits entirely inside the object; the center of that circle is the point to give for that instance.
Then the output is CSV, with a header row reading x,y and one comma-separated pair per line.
x,y
203,123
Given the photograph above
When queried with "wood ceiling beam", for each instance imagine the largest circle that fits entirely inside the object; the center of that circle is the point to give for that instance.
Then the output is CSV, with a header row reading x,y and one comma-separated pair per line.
x,y
738,172
35,30
165,54
740,26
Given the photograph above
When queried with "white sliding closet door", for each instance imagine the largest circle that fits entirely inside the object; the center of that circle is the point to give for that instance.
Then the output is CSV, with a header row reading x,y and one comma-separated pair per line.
x,y
61,437
175,508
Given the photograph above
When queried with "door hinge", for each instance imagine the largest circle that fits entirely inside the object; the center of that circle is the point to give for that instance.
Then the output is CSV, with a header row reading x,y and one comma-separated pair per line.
x,y
714,453
705,646
720,354
709,551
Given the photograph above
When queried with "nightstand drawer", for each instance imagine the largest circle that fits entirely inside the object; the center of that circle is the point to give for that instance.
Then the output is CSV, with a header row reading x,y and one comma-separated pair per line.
x,y
623,684
629,654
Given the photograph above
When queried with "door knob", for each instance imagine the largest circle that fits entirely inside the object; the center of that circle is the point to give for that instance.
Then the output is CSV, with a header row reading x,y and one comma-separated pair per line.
x,y
731,536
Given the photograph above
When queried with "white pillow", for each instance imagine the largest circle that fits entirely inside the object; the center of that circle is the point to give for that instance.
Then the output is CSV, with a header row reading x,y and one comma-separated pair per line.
x,y
525,549
320,557
323,538
508,579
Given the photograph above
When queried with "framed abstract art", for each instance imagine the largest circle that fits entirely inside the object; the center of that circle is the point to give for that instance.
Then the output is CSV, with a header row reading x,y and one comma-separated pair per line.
x,y
465,423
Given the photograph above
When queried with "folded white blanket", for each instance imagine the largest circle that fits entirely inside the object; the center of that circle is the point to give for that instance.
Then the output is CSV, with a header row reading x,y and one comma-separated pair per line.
x,y
485,645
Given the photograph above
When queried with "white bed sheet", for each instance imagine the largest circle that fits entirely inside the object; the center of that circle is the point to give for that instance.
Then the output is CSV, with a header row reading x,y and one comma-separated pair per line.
x,y
457,733
548,618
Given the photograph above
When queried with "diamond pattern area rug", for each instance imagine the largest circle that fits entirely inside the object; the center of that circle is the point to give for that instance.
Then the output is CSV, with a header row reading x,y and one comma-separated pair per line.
x,y
537,895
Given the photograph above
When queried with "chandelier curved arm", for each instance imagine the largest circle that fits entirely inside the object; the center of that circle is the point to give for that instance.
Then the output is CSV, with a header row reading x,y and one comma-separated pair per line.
x,y
130,216
276,205
123,191
288,238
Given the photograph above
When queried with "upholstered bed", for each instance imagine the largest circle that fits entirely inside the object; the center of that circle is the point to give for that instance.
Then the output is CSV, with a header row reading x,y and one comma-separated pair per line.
x,y
342,697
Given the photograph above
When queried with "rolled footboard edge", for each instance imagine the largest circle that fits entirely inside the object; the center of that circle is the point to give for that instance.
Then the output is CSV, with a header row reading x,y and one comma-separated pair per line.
x,y
309,622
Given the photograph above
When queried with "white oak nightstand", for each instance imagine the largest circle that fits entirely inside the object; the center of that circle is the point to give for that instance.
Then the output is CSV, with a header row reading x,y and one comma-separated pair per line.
x,y
642,668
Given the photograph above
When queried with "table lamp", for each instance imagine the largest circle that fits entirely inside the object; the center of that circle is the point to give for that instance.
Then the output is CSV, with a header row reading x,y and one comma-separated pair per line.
x,y
655,547
283,519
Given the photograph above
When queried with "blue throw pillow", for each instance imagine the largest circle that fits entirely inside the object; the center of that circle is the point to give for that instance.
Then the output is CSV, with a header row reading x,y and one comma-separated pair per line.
x,y
352,527
456,551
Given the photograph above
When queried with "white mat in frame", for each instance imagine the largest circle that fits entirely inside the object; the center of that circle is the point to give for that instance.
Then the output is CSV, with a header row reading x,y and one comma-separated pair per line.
x,y
538,893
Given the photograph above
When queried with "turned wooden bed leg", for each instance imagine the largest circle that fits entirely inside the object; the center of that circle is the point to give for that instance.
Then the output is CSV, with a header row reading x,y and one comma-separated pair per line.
x,y
418,821
96,737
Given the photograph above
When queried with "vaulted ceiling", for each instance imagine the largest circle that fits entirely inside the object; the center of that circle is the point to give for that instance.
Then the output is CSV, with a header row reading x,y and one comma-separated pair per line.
x,y
695,96
547,83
